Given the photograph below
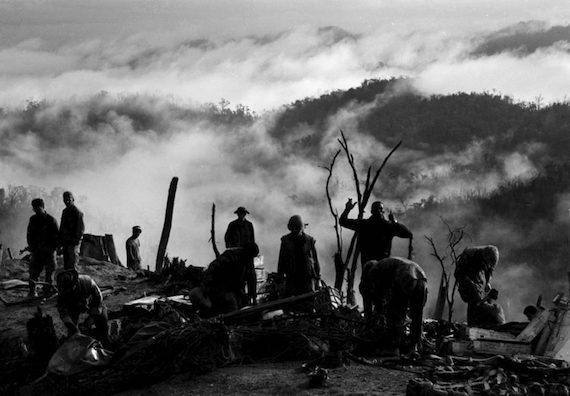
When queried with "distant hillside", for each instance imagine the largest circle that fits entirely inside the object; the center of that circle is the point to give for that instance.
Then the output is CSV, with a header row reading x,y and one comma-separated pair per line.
x,y
436,123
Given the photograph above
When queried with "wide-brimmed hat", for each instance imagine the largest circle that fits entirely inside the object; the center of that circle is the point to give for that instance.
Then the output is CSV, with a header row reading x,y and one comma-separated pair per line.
x,y
241,209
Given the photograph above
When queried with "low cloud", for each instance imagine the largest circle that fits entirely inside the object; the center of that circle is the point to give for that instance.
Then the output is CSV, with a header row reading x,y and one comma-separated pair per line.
x,y
266,71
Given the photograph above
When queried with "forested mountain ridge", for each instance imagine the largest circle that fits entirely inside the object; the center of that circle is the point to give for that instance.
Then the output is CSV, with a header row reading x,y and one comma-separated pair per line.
x,y
437,123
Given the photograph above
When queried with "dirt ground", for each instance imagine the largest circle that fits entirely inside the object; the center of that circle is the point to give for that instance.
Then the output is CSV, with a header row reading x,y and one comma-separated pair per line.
x,y
282,378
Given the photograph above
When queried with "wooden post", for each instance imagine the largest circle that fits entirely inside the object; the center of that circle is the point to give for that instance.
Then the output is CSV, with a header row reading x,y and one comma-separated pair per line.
x,y
441,298
213,232
111,250
167,224
10,255
1,261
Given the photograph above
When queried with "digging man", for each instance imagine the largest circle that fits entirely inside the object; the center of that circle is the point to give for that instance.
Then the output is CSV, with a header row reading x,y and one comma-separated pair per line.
x,y
473,273
222,286
79,294
391,287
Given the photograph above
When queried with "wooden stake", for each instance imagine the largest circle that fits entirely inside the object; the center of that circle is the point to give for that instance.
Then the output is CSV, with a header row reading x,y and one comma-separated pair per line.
x,y
213,232
167,225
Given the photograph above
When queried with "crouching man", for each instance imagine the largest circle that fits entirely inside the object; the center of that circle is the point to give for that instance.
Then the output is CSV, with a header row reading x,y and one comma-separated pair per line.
x,y
391,287
473,273
79,294
222,287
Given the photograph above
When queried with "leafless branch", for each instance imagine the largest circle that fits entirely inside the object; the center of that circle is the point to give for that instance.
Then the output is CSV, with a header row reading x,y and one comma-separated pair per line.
x,y
213,232
344,144
334,213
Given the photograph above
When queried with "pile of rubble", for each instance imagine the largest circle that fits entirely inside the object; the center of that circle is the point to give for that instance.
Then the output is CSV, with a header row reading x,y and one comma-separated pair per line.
x,y
526,358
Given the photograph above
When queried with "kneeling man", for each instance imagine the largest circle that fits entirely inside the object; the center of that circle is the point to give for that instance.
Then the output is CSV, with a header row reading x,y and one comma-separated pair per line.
x,y
79,294
222,287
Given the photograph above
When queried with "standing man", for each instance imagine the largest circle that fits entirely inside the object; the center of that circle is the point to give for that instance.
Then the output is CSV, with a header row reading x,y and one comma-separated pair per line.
x,y
133,249
375,233
42,240
298,262
391,287
240,231
71,231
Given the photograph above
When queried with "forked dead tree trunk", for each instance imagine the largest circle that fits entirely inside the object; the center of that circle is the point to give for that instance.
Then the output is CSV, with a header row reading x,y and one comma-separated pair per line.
x,y
167,225
447,292
353,252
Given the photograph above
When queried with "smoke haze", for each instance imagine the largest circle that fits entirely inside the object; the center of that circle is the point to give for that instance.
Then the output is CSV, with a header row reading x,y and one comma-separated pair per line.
x,y
112,112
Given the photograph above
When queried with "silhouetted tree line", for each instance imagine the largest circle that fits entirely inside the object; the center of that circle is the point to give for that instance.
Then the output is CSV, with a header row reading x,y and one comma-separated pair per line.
x,y
434,124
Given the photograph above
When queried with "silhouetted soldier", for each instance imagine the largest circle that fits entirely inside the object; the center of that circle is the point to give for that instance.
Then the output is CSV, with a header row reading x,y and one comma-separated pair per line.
x,y
221,288
374,233
391,287
42,237
240,231
473,273
71,231
298,262
79,294
132,246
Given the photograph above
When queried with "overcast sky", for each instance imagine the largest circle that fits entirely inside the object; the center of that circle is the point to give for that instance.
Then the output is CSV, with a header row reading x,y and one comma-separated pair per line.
x,y
266,53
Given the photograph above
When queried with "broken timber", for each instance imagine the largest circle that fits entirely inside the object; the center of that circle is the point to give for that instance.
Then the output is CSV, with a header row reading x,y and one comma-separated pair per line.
x,y
167,224
269,306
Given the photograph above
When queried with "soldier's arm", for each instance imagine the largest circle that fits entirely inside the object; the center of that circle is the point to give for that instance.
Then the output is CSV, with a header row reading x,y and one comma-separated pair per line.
x,y
54,232
401,230
251,281
281,270
316,260
351,224
138,253
63,310
230,237
29,234
80,227
96,298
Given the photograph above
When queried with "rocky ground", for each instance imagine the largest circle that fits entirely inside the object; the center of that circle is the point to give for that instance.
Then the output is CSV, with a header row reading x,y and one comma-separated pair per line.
x,y
276,378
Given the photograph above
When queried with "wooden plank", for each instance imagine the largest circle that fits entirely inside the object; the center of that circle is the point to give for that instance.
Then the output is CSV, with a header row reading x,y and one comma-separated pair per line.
x,y
475,333
268,306
534,327
501,347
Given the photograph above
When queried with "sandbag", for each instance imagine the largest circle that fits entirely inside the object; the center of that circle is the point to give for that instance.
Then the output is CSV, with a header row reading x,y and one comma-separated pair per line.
x,y
79,353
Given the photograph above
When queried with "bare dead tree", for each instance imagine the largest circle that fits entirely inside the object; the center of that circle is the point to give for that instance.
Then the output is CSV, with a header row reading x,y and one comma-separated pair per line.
x,y
213,232
338,262
454,238
362,201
